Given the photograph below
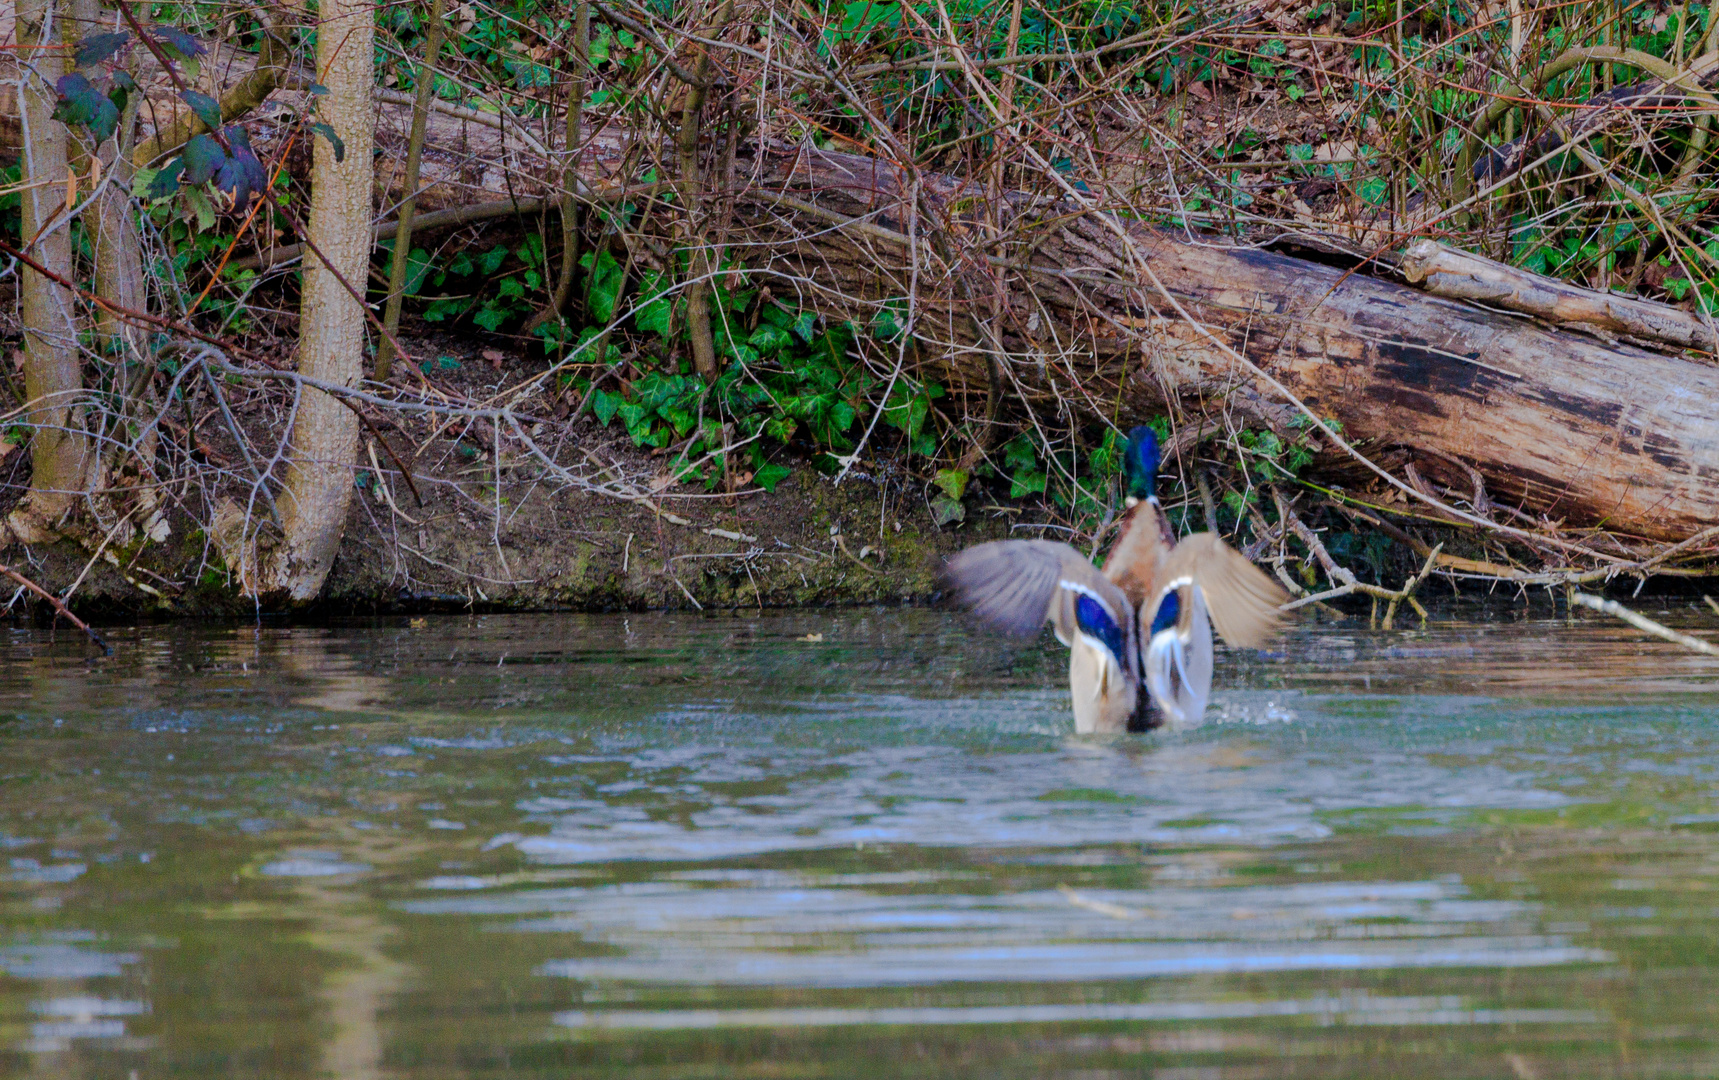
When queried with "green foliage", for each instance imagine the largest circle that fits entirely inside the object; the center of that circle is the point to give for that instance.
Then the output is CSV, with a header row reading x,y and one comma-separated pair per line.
x,y
206,108
605,278
1274,458
475,284
334,141
11,204
786,381
1021,464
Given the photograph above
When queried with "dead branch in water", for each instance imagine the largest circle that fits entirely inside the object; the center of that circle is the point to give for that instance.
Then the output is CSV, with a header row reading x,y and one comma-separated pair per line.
x,y
1641,622
59,606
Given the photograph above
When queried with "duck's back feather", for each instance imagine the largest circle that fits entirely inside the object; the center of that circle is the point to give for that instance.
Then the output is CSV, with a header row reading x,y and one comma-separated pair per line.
x,y
1139,552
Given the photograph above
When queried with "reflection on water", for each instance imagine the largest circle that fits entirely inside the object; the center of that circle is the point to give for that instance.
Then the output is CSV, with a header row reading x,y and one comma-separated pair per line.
x,y
1357,1009
654,845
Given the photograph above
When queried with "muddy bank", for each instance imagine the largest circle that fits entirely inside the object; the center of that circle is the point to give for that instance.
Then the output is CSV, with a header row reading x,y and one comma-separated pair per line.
x,y
869,539
531,544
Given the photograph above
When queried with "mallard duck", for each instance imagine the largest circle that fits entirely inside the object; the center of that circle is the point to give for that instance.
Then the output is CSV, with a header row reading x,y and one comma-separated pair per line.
x,y
1146,620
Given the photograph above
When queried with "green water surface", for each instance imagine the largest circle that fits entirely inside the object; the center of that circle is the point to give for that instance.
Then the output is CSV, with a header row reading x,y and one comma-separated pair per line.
x,y
852,844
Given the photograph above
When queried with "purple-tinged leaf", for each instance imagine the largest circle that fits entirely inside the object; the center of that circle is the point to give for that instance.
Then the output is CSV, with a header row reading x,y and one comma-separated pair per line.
x,y
98,47
333,140
81,103
242,174
203,158
178,41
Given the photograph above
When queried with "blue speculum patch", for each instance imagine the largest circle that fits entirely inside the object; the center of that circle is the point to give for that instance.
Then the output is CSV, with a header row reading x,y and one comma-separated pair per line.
x,y
1168,612
1096,622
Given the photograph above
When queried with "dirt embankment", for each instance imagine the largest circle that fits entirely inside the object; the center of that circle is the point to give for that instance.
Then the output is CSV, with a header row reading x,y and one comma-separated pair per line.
x,y
870,539
520,538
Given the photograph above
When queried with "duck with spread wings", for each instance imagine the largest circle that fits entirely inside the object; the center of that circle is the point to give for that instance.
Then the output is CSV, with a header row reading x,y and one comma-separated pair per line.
x,y
1139,632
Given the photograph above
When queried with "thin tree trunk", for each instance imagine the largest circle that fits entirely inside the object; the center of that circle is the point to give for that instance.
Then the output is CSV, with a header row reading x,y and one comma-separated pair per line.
x,y
53,376
570,175
318,486
118,252
703,260
409,184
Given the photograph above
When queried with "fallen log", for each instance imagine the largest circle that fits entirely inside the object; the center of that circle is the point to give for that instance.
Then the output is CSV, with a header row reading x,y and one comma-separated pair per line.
x,y
1599,437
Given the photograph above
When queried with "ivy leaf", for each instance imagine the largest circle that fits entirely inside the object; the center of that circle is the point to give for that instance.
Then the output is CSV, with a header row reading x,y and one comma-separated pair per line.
x,y
655,317
81,103
945,511
418,268
656,314
317,88
1019,455
952,481
490,317
334,140
165,182
768,476
203,158
805,325
768,339
842,417
98,47
604,405
604,280
1026,482
207,108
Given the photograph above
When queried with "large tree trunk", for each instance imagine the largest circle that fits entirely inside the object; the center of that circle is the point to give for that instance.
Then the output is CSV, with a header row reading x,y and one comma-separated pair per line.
x,y
318,488
53,376
1569,427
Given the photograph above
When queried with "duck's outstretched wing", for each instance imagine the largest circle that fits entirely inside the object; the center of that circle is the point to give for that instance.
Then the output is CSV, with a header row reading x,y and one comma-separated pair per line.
x,y
1242,602
1015,585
